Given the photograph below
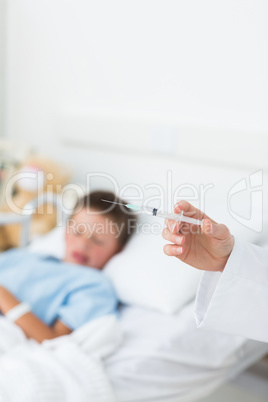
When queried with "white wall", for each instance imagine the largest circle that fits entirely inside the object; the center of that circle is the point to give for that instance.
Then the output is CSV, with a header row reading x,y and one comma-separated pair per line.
x,y
201,63
2,63
195,70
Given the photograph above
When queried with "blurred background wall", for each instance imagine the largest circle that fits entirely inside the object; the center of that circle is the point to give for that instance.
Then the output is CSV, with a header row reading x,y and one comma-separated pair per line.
x,y
132,88
2,64
201,63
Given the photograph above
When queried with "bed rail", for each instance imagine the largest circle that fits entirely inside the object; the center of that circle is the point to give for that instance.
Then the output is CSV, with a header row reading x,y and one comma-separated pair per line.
x,y
26,216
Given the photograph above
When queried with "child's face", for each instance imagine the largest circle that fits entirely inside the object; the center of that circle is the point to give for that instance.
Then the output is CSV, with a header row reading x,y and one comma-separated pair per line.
x,y
90,239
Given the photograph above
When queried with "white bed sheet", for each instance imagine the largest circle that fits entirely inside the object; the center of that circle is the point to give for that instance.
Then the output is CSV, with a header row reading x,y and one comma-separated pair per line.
x,y
167,359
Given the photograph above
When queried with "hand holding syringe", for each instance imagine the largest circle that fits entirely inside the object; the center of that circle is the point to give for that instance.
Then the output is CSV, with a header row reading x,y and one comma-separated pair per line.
x,y
206,249
155,212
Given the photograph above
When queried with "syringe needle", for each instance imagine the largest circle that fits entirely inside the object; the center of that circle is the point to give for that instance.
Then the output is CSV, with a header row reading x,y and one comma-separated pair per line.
x,y
130,206
113,202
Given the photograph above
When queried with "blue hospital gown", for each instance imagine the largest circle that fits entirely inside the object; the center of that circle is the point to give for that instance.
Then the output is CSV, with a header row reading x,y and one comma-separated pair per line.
x,y
55,290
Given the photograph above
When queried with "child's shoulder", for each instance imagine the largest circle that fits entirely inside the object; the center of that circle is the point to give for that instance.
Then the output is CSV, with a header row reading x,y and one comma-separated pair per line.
x,y
88,275
14,254
84,272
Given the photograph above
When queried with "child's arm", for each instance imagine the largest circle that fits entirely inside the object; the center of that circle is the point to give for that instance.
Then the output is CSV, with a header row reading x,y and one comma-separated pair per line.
x,y
29,323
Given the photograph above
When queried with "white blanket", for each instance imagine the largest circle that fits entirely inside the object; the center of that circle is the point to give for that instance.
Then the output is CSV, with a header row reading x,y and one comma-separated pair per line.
x,y
167,359
64,369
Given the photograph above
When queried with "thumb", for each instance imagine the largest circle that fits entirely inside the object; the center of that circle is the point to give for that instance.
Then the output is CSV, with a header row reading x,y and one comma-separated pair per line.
x,y
214,230
207,228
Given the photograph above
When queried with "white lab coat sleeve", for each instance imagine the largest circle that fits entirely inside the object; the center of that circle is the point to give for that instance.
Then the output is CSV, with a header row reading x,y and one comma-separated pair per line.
x,y
236,300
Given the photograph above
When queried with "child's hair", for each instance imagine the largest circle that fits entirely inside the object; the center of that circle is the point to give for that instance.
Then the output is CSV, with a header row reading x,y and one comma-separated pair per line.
x,y
118,214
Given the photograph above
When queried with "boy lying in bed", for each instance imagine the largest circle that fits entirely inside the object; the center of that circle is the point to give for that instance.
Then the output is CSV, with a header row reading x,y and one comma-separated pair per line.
x,y
47,297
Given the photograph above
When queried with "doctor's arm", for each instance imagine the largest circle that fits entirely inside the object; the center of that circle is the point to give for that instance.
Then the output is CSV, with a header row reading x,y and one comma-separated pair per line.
x,y
233,294
31,325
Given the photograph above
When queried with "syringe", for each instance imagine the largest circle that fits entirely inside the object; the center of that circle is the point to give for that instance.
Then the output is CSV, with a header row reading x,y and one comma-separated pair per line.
x,y
155,212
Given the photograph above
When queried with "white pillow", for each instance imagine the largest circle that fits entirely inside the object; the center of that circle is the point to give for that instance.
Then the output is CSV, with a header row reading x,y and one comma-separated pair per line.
x,y
141,274
144,276
51,243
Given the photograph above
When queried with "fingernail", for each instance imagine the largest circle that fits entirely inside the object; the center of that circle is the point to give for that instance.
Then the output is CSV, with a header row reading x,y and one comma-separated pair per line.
x,y
179,250
173,226
179,239
208,226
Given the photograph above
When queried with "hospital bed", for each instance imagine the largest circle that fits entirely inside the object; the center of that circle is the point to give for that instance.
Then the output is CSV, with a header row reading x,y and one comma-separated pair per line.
x,y
162,356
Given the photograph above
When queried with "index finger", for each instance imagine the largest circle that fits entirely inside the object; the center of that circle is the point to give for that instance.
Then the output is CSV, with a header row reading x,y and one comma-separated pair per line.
x,y
189,210
173,226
